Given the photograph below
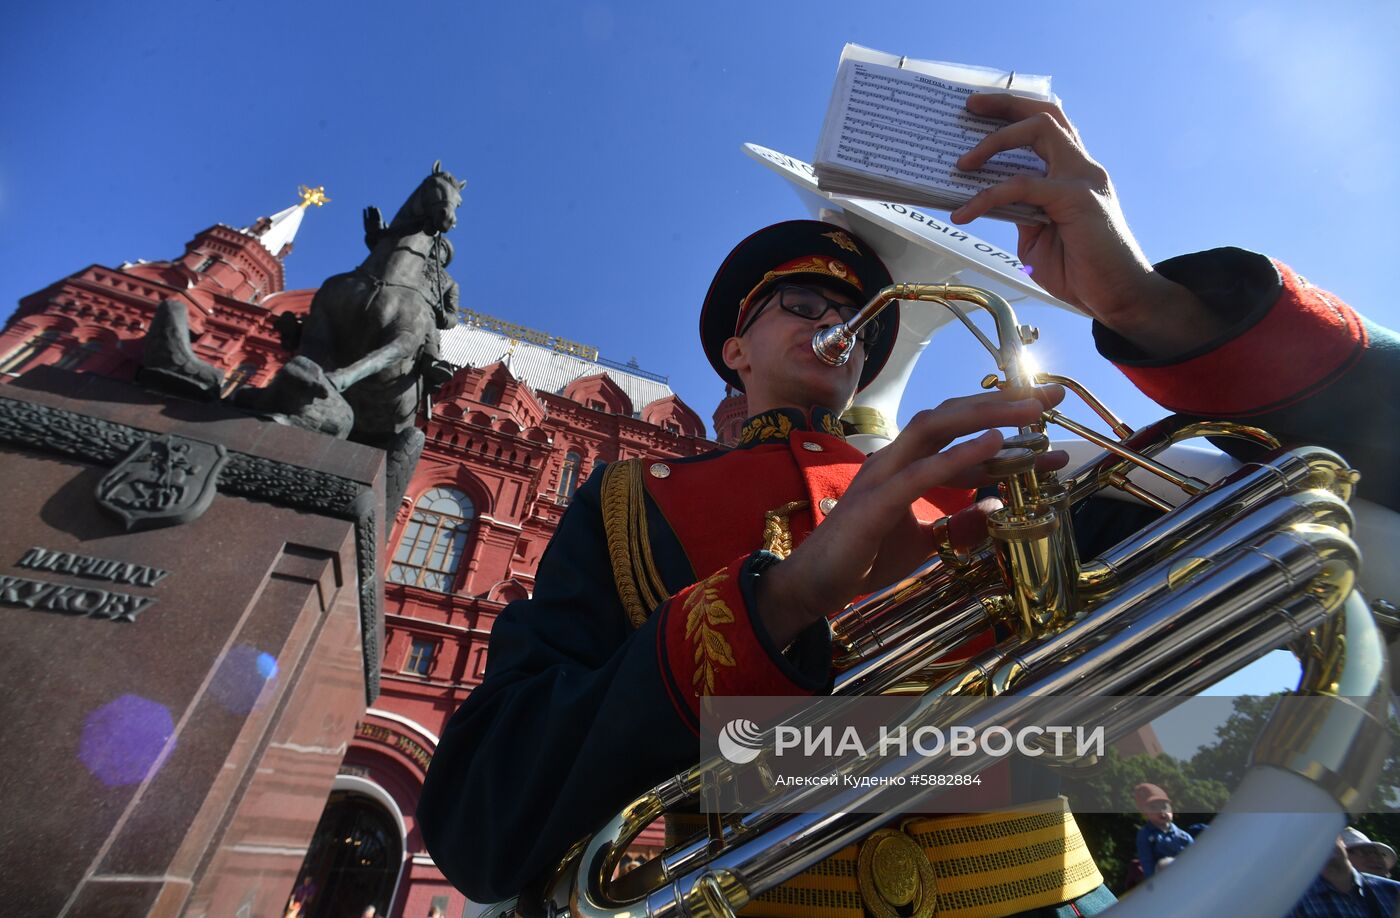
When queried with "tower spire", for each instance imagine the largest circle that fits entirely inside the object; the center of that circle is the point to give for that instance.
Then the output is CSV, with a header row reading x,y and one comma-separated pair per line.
x,y
277,232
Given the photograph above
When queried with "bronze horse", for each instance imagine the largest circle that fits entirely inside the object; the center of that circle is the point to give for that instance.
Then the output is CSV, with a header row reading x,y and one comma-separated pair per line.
x,y
374,328
371,335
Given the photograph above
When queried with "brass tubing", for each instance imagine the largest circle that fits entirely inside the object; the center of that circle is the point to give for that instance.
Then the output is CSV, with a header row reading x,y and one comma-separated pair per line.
x,y
1243,492
1236,648
1124,484
1137,593
1256,577
917,648
1120,429
833,345
1339,745
1184,482
1152,440
862,622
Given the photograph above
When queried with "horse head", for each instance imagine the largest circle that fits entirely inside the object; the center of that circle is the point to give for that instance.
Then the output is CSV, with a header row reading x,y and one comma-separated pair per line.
x,y
433,203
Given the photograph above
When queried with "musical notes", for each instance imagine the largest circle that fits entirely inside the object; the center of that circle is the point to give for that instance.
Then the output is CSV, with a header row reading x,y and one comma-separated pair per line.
x,y
895,133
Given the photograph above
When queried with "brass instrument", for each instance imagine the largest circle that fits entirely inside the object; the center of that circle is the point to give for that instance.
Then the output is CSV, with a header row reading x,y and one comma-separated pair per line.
x,y
1260,559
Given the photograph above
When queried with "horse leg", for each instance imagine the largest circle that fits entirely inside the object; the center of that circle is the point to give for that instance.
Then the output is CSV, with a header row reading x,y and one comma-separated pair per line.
x,y
376,361
403,452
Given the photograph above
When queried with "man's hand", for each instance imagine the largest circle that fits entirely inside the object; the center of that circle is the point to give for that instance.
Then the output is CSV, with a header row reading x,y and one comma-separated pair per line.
x,y
872,538
1086,255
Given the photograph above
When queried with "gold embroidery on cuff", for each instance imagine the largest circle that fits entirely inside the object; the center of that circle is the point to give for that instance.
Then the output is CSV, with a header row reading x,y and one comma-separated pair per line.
x,y
705,612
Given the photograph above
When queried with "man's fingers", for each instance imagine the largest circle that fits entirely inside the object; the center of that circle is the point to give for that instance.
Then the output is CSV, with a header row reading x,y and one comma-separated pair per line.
x,y
1007,107
1052,461
930,431
1023,189
1048,395
942,468
968,527
1041,133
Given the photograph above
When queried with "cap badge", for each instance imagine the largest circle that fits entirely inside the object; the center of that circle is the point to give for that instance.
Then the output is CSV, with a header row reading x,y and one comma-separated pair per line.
x,y
844,241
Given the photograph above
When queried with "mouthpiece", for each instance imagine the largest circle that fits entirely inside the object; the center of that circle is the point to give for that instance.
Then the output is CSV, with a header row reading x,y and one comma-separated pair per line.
x,y
833,345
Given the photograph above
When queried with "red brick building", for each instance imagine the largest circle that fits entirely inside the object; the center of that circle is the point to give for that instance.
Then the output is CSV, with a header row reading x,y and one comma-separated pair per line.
x,y
523,421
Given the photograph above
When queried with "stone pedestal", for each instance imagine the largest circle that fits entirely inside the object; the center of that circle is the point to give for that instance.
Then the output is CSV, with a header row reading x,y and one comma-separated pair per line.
x,y
178,694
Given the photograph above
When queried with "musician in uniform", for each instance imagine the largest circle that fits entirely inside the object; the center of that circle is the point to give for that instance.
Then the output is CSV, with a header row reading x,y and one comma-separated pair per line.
x,y
713,575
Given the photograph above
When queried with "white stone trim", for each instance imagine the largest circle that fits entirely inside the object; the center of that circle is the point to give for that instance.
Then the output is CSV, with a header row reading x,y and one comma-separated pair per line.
x,y
408,722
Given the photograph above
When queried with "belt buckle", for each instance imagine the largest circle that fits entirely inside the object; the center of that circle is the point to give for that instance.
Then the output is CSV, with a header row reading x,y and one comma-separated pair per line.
x,y
895,878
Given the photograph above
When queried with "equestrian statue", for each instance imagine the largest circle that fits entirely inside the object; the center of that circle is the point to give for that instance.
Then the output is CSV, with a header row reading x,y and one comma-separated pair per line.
x,y
367,352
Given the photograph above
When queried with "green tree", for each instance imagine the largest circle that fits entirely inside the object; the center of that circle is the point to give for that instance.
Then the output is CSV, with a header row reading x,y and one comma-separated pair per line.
x,y
1226,759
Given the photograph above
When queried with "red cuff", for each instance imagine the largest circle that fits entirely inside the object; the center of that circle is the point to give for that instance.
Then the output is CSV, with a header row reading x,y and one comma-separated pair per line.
x,y
1306,340
707,645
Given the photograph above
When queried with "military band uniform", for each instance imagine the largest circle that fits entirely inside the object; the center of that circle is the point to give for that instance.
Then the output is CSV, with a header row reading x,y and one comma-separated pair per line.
x,y
645,603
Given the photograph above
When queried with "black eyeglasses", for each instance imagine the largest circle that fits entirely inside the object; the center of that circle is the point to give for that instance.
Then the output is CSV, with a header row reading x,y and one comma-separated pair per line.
x,y
813,304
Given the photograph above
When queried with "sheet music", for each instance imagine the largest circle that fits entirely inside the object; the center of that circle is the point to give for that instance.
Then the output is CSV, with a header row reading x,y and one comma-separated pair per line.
x,y
891,129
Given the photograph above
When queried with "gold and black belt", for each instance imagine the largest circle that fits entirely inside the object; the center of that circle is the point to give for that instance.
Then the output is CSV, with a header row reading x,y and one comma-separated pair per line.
x,y
964,865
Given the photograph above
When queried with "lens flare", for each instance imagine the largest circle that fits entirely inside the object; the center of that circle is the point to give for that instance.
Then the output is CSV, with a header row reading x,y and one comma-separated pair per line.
x,y
241,677
125,740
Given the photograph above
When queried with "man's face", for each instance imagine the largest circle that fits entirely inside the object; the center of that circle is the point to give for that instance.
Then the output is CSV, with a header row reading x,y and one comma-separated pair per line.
x,y
774,358
1369,859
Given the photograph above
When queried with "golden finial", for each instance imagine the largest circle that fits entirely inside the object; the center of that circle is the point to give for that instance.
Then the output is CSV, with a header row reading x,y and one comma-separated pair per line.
x,y
315,195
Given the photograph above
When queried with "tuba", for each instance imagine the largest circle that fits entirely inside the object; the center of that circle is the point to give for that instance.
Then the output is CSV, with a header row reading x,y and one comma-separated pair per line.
x,y
1256,559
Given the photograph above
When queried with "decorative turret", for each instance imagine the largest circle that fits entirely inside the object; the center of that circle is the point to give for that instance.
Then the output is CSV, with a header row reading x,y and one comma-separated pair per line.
x,y
246,263
729,416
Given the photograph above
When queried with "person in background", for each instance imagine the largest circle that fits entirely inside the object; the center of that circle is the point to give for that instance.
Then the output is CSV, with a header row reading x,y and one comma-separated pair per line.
x,y
1159,838
1341,891
1367,856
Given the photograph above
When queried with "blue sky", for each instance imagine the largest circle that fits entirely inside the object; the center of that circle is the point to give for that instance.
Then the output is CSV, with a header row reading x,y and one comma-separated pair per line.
x,y
601,141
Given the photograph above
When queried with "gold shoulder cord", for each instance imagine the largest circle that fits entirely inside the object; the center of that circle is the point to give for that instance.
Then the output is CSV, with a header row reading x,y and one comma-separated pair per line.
x,y
777,528
639,584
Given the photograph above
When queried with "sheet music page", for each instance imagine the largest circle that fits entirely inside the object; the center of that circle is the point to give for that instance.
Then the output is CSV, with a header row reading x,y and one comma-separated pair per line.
x,y
910,128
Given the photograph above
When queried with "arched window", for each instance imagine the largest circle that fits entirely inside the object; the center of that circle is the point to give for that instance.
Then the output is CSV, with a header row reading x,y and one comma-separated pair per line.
x,y
74,358
568,476
23,355
238,378
353,861
433,540
491,395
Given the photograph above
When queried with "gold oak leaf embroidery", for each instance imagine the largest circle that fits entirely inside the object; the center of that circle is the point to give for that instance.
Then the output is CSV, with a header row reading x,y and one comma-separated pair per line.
x,y
766,427
705,612
833,426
